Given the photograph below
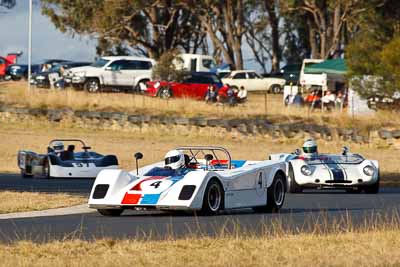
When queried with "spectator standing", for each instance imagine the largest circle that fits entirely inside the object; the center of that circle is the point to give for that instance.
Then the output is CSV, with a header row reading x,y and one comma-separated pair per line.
x,y
211,96
329,100
242,95
231,96
339,101
298,100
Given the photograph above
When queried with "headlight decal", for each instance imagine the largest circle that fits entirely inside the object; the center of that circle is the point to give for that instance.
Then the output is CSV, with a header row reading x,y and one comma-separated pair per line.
x,y
306,170
368,170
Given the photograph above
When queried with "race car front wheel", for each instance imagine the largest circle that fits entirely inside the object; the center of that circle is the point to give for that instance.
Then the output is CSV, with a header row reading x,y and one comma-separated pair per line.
x,y
110,212
213,200
374,188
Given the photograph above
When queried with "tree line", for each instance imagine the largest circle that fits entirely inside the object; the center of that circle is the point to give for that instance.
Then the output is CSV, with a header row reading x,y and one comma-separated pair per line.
x,y
365,32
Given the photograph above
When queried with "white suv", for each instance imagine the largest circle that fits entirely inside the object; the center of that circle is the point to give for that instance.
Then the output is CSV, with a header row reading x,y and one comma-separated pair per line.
x,y
129,73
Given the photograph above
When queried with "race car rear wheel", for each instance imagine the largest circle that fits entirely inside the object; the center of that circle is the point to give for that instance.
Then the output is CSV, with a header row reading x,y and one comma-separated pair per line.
x,y
275,195
213,200
110,212
293,186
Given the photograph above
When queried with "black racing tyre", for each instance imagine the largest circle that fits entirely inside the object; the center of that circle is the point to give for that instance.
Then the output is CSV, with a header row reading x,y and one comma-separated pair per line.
x,y
213,200
25,175
164,92
92,85
110,212
276,194
374,188
293,186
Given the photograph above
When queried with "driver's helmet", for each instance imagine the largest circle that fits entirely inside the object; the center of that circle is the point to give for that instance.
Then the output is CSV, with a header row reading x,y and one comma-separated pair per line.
x,y
58,146
310,147
174,159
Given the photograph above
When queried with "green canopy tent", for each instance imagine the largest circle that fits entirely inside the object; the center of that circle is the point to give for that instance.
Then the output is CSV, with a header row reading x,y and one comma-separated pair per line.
x,y
330,66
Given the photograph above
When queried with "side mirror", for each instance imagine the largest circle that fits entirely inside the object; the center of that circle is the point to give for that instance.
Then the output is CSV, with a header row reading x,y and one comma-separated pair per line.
x,y
138,156
345,151
297,152
107,68
208,158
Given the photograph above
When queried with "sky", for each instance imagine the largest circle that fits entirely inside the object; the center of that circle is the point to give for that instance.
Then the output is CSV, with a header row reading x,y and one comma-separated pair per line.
x,y
47,41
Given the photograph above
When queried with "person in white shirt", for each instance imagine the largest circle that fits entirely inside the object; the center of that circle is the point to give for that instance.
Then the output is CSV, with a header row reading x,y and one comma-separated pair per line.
x,y
329,100
242,95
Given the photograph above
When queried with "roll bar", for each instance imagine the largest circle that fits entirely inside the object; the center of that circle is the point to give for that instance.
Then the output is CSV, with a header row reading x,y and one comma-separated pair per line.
x,y
195,150
84,147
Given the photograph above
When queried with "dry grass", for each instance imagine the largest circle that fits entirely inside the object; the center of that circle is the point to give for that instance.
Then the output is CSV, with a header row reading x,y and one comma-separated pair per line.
x,y
370,248
154,142
30,201
16,93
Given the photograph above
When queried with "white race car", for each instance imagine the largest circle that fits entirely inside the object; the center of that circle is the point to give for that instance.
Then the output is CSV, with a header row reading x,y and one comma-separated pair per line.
x,y
338,171
209,182
65,163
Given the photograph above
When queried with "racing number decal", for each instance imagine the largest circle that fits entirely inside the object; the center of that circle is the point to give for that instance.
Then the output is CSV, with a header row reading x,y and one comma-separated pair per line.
x,y
156,184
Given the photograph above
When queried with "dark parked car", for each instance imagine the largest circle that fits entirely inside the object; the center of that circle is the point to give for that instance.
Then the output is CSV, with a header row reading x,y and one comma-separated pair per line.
x,y
19,71
290,73
42,80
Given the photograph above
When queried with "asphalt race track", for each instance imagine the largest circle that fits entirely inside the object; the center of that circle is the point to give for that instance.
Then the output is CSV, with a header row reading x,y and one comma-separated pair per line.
x,y
301,212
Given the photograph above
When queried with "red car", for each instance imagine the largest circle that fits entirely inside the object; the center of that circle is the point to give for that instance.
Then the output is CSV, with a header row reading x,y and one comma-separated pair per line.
x,y
194,86
10,59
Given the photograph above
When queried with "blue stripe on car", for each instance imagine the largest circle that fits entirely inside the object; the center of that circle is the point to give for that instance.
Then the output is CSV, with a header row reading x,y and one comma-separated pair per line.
x,y
238,163
337,172
150,199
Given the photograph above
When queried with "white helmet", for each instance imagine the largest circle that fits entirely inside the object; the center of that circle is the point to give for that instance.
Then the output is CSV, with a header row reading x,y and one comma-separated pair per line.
x,y
310,147
58,146
174,159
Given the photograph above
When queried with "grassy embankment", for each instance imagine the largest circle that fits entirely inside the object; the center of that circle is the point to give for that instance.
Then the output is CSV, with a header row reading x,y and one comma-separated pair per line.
x,y
15,93
30,201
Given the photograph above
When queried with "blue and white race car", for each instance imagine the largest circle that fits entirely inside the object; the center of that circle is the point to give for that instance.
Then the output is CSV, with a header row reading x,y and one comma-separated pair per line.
x,y
195,178
348,171
60,163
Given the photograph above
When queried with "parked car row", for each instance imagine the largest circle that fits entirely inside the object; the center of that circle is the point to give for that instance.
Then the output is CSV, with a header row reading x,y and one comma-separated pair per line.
x,y
134,74
17,72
